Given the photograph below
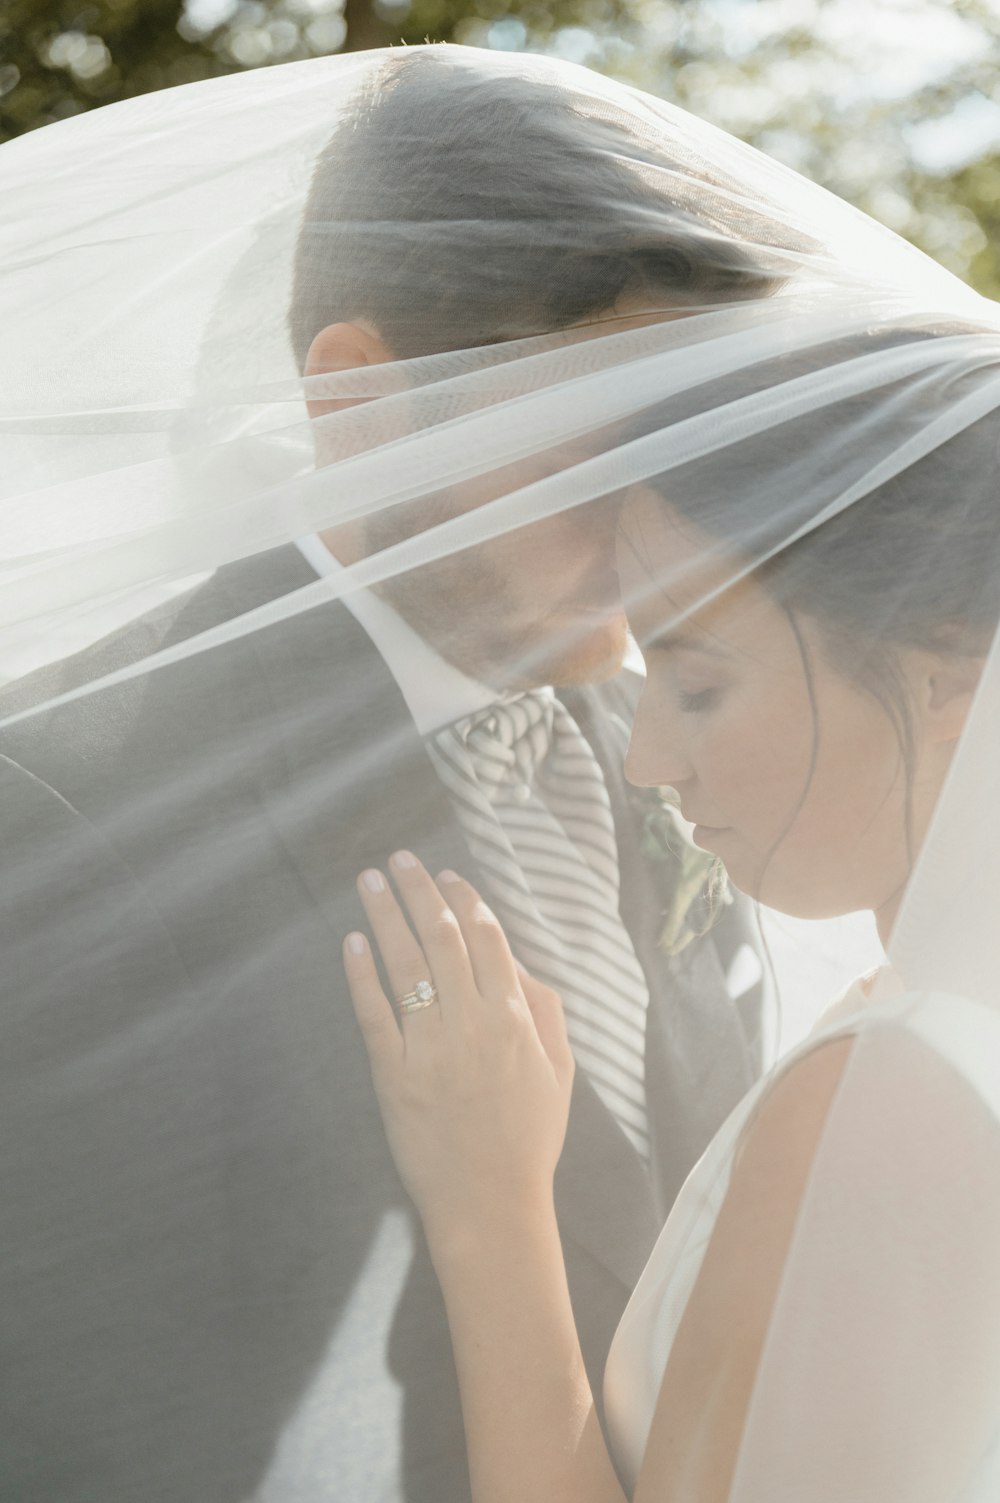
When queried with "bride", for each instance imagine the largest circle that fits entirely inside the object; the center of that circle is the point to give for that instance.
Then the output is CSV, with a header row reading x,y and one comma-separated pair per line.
x,y
820,1319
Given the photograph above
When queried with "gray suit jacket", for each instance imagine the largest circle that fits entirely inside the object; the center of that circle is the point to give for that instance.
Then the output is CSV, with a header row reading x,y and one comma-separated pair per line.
x,y
212,1286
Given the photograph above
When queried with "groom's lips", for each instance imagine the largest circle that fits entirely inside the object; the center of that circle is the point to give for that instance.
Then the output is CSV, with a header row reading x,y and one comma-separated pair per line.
x,y
586,617
600,598
598,612
597,595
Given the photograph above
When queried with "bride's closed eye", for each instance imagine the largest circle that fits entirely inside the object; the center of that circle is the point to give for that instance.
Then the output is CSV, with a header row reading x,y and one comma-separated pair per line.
x,y
694,701
685,683
695,684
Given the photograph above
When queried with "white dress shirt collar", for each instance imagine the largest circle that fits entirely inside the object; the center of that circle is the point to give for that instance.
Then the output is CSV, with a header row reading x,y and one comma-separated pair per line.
x,y
436,692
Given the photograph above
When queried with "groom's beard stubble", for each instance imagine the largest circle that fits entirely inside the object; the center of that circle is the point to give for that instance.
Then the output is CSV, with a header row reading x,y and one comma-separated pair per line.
x,y
534,607
474,615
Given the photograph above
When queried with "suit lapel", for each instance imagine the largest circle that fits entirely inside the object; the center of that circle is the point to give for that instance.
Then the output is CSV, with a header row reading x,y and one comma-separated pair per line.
x,y
603,1191
342,740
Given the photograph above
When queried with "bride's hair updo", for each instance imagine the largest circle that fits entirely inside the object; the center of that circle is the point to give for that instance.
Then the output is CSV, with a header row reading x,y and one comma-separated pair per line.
x,y
915,562
457,206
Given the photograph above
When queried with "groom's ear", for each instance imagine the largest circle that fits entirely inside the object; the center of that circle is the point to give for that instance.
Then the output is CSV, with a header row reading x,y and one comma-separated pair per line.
x,y
343,347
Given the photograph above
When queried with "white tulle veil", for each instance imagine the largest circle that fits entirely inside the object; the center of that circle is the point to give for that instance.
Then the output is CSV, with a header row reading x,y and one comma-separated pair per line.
x,y
583,291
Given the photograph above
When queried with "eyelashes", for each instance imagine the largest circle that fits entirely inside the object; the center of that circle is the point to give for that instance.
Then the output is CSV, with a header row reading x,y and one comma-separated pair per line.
x,y
692,703
661,660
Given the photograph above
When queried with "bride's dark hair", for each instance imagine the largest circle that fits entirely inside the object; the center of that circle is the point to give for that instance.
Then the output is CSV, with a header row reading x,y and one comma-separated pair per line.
x,y
915,562
532,207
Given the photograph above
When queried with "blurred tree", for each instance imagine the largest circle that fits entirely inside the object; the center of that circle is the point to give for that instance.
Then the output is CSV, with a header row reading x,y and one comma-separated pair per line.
x,y
893,104
976,191
58,57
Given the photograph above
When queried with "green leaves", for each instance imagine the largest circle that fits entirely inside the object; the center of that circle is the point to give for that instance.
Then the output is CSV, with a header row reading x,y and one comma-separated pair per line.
x,y
695,881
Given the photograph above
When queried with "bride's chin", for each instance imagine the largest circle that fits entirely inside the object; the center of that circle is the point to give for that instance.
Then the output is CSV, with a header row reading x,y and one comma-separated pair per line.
x,y
782,892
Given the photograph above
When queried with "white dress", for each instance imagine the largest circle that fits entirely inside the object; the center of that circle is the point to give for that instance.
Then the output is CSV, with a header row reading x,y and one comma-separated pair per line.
x,y
963,1034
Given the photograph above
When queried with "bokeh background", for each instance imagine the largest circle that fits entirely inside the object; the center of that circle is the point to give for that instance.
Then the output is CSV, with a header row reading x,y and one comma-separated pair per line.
x,y
894,104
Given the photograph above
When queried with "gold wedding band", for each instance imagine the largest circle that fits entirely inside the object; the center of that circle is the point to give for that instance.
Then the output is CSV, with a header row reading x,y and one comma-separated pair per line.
x,y
424,994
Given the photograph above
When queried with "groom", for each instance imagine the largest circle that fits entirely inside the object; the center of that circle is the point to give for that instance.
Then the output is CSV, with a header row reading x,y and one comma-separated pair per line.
x,y
211,1284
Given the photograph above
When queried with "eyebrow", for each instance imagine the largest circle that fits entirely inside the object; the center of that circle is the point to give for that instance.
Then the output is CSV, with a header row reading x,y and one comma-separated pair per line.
x,y
679,637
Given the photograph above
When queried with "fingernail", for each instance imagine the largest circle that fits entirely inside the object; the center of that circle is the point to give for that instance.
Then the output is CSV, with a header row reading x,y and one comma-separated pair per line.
x,y
356,944
448,876
405,859
374,881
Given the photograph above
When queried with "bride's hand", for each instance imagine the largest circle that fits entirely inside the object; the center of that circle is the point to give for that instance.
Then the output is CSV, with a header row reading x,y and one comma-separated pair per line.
x,y
474,1089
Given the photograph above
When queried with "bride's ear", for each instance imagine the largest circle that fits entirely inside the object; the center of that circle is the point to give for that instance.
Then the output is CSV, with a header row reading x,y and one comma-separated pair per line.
x,y
343,347
950,685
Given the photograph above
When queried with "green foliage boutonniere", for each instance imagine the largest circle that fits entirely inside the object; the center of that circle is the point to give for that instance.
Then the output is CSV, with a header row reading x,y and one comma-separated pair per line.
x,y
697,882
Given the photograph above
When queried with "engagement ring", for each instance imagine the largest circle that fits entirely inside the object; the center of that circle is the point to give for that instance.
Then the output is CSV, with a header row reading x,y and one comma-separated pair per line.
x,y
424,994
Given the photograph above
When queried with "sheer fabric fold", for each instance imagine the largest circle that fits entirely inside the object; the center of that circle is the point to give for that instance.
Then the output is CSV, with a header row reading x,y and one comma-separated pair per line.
x,y
558,293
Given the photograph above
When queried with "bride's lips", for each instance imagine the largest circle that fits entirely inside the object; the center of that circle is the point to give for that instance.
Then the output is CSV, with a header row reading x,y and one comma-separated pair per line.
x,y
704,834
689,817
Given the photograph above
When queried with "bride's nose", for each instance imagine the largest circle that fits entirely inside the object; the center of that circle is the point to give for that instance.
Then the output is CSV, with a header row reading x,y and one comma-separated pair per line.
x,y
656,756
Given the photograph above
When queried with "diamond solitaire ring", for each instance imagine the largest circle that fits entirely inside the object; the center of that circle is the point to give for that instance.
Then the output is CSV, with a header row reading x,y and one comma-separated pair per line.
x,y
424,994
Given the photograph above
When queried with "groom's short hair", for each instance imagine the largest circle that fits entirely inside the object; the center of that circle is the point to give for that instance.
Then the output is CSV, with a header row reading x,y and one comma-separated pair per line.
x,y
456,207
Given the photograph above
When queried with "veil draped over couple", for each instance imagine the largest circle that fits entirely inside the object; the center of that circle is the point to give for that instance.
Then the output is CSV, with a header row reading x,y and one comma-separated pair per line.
x,y
389,1109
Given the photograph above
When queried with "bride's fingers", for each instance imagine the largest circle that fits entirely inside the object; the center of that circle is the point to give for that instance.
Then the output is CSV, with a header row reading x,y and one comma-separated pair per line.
x,y
438,932
405,963
492,962
372,1008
